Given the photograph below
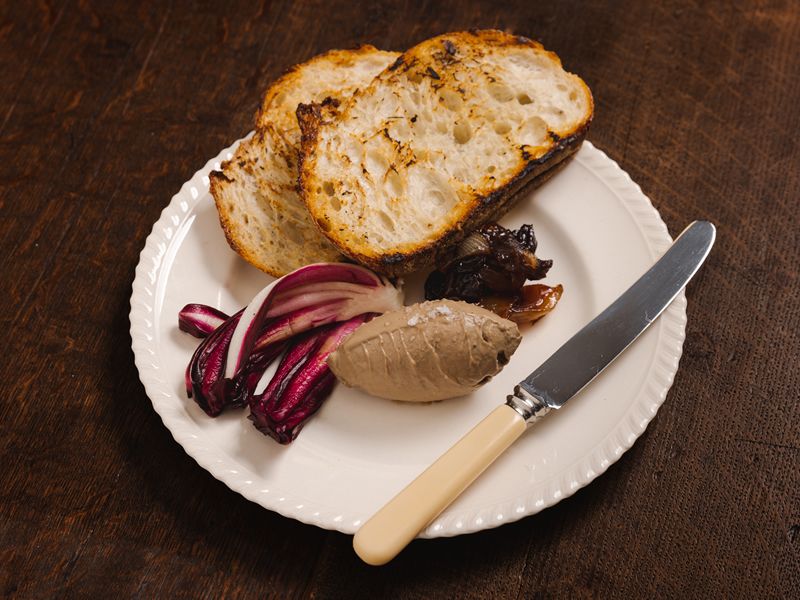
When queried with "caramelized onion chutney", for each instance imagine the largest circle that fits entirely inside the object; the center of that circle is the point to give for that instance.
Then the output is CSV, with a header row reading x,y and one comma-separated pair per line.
x,y
491,268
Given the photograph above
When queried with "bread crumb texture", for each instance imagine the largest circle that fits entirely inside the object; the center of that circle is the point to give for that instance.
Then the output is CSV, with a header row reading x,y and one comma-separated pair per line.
x,y
438,143
263,216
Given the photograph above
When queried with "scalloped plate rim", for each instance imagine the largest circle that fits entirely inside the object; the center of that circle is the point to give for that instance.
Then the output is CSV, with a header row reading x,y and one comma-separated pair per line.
x,y
581,472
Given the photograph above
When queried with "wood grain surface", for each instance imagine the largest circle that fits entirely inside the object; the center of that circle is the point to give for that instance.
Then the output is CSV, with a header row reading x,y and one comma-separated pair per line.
x,y
106,108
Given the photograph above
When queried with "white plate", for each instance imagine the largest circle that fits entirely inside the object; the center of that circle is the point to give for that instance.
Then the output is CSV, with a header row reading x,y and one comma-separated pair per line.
x,y
358,451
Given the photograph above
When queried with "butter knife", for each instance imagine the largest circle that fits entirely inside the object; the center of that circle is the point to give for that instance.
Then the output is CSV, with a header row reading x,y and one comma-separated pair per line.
x,y
548,388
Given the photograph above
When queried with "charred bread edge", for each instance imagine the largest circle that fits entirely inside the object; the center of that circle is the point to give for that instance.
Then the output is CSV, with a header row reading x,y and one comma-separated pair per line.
x,y
287,75
216,177
486,208
310,117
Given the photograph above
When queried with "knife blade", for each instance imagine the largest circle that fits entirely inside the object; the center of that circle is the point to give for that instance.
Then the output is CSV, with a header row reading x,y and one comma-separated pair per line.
x,y
588,352
550,386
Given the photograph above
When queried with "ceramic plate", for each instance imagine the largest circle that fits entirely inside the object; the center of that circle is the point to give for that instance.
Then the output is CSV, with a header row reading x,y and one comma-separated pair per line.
x,y
358,451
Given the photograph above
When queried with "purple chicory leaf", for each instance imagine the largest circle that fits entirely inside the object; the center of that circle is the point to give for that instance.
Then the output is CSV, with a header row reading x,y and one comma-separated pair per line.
x,y
284,304
204,374
301,320
205,371
200,320
323,273
301,383
361,291
239,390
315,396
309,311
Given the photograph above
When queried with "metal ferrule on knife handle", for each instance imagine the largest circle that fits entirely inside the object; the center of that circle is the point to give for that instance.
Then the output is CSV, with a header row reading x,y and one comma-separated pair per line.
x,y
528,406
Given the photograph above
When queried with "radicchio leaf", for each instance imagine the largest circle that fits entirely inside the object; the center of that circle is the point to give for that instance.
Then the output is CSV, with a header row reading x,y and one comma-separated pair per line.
x,y
302,382
200,320
204,375
357,291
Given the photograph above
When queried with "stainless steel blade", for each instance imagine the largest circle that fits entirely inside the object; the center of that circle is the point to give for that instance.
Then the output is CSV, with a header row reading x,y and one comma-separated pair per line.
x,y
593,348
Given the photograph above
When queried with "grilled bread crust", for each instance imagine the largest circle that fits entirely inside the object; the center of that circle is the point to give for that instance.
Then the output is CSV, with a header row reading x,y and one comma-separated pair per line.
x,y
264,219
442,141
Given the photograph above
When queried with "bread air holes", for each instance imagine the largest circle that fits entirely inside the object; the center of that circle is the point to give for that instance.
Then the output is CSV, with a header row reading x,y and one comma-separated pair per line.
x,y
533,132
399,130
377,165
500,92
328,188
524,99
438,200
451,100
353,150
501,127
387,221
395,182
462,132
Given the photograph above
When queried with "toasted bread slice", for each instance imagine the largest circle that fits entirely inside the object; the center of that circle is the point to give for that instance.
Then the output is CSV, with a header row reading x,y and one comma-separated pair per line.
x,y
439,143
263,217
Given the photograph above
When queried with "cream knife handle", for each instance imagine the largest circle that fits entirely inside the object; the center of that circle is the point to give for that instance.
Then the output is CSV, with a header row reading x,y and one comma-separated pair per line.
x,y
389,531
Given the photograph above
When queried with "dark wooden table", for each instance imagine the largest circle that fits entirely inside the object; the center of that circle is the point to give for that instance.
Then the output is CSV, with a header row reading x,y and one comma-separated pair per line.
x,y
106,108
